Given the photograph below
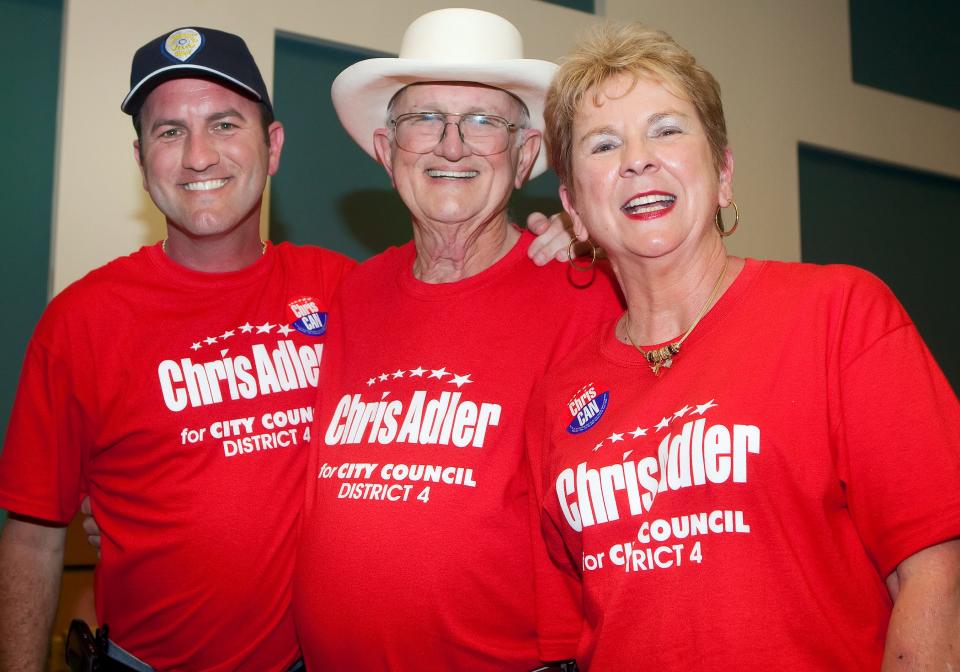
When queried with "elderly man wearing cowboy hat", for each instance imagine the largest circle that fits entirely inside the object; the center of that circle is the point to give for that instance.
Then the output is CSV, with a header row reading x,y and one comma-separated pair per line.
x,y
416,549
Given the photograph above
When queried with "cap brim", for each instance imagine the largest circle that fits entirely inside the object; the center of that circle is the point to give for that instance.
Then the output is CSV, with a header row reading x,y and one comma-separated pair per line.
x,y
142,89
362,92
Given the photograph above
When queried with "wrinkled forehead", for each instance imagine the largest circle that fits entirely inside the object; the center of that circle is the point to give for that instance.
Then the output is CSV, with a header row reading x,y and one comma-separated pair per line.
x,y
456,97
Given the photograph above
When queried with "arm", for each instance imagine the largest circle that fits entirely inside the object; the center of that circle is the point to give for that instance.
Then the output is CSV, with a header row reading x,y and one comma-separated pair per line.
x,y
553,237
31,563
924,630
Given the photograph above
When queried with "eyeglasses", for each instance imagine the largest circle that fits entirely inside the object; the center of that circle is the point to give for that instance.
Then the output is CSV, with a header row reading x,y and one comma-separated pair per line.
x,y
420,132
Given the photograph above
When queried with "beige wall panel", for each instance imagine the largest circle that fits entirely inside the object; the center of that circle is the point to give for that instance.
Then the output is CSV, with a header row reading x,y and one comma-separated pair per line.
x,y
784,66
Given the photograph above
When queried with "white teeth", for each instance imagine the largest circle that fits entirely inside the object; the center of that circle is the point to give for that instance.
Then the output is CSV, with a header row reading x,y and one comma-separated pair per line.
x,y
204,186
452,173
657,200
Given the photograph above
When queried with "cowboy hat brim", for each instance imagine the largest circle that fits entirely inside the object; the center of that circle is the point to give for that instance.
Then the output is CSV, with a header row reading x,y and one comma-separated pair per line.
x,y
362,92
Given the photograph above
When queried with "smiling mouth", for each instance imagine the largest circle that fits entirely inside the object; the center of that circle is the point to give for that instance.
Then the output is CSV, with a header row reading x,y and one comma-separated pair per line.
x,y
206,185
648,204
452,174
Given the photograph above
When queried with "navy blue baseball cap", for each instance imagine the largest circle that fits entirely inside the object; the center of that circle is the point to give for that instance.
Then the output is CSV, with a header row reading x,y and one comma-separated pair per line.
x,y
204,53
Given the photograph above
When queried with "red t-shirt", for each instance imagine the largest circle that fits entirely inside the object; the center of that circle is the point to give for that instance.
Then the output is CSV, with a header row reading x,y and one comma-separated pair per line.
x,y
743,510
180,401
415,551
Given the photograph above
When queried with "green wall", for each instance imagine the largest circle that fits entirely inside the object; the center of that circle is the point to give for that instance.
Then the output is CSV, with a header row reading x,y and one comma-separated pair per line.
x,y
909,48
29,79
899,223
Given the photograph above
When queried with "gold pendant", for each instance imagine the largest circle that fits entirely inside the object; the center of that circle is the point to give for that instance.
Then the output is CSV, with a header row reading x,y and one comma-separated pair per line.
x,y
665,364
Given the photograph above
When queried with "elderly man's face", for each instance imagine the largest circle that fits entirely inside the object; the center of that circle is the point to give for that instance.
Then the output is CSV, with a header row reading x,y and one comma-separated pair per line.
x,y
452,184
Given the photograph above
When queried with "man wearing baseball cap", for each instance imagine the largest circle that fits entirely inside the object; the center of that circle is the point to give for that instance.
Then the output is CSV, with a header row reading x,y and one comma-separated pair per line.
x,y
175,386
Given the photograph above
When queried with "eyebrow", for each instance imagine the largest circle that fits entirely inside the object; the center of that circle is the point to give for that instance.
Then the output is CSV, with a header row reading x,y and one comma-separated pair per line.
x,y
216,116
652,119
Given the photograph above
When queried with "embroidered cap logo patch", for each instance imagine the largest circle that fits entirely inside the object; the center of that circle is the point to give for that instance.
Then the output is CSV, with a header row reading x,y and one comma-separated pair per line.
x,y
183,43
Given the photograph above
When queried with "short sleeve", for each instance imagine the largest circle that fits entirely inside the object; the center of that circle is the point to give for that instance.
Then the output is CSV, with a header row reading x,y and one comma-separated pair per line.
x,y
40,466
899,436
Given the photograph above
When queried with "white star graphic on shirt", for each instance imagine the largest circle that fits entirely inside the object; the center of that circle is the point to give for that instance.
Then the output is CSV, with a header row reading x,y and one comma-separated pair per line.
x,y
383,377
398,373
702,408
210,340
195,346
265,328
418,372
246,328
615,437
682,412
460,380
439,373
371,381
227,334
598,446
662,424
639,431
284,329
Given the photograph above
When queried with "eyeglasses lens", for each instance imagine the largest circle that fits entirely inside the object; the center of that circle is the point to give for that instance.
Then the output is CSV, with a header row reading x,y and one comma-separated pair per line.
x,y
420,133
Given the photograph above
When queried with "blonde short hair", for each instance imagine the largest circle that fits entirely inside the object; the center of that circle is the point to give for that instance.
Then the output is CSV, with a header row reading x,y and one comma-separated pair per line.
x,y
610,50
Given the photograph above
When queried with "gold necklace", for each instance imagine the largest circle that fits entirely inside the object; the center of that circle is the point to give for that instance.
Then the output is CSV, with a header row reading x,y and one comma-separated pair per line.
x,y
662,357
263,247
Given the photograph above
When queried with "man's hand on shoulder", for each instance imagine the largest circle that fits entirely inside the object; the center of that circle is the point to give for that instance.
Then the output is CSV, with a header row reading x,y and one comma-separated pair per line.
x,y
553,237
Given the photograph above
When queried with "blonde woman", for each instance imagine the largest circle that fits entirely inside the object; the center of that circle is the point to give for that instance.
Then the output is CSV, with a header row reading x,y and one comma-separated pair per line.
x,y
756,465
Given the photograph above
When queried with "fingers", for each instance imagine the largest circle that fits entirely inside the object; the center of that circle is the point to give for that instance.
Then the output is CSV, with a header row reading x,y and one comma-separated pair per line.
x,y
553,238
537,222
90,526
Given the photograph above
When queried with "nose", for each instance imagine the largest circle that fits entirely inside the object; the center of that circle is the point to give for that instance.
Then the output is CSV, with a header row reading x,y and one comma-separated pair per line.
x,y
199,153
451,145
637,158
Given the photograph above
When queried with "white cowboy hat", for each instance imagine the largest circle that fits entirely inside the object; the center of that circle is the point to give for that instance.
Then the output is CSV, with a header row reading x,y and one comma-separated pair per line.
x,y
447,45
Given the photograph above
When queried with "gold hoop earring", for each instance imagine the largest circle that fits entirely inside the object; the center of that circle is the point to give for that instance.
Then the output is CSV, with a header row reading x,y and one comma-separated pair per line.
x,y
572,256
718,220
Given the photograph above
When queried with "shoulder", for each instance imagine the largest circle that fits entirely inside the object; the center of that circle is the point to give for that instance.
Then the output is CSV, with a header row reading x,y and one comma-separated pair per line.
x,y
112,277
318,257
821,278
836,285
383,266
848,302
595,289
91,298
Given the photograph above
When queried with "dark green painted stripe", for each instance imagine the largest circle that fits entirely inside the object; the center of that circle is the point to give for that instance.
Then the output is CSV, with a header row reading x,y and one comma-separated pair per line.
x,y
908,48
29,79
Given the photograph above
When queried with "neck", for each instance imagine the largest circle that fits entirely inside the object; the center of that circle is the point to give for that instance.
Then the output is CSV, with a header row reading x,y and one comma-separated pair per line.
x,y
214,254
449,253
664,296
